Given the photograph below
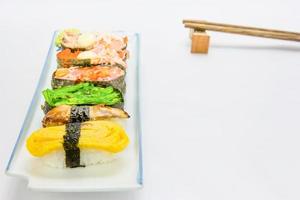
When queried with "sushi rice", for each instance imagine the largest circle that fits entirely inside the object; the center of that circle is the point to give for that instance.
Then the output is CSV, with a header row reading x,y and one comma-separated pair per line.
x,y
87,157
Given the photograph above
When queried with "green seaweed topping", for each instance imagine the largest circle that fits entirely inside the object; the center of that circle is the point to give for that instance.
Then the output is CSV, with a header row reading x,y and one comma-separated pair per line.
x,y
83,93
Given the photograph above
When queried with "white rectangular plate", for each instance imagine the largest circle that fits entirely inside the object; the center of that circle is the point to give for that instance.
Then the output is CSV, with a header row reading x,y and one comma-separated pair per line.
x,y
122,174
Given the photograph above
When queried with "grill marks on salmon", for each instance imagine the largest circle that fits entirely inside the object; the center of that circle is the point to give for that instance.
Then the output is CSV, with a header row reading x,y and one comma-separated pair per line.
x,y
96,73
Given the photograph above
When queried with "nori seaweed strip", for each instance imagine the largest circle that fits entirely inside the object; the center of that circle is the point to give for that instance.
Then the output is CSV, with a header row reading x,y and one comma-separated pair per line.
x,y
71,139
66,63
46,107
79,114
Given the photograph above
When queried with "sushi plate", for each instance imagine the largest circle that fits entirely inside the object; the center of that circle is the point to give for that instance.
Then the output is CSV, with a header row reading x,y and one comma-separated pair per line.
x,y
125,173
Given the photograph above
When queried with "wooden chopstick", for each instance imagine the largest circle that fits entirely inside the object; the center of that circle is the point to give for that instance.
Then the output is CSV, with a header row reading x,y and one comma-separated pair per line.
x,y
244,30
236,26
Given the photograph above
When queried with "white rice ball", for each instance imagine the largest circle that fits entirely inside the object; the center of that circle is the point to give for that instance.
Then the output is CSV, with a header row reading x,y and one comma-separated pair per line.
x,y
87,157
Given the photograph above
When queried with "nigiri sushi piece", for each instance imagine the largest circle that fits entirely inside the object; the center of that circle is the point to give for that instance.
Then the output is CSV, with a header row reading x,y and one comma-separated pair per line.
x,y
96,56
82,94
75,39
78,144
98,75
65,114
91,48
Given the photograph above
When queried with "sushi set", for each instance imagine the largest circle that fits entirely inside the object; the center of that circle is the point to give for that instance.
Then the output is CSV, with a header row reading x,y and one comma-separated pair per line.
x,y
82,130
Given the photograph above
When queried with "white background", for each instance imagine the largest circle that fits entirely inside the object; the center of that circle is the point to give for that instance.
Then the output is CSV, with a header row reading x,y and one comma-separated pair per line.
x,y
218,126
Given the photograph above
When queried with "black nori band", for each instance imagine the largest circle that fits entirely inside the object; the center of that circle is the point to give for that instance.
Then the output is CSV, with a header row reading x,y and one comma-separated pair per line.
x,y
71,139
79,113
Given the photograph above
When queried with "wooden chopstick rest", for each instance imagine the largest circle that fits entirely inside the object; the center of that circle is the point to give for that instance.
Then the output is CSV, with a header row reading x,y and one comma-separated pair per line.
x,y
200,40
